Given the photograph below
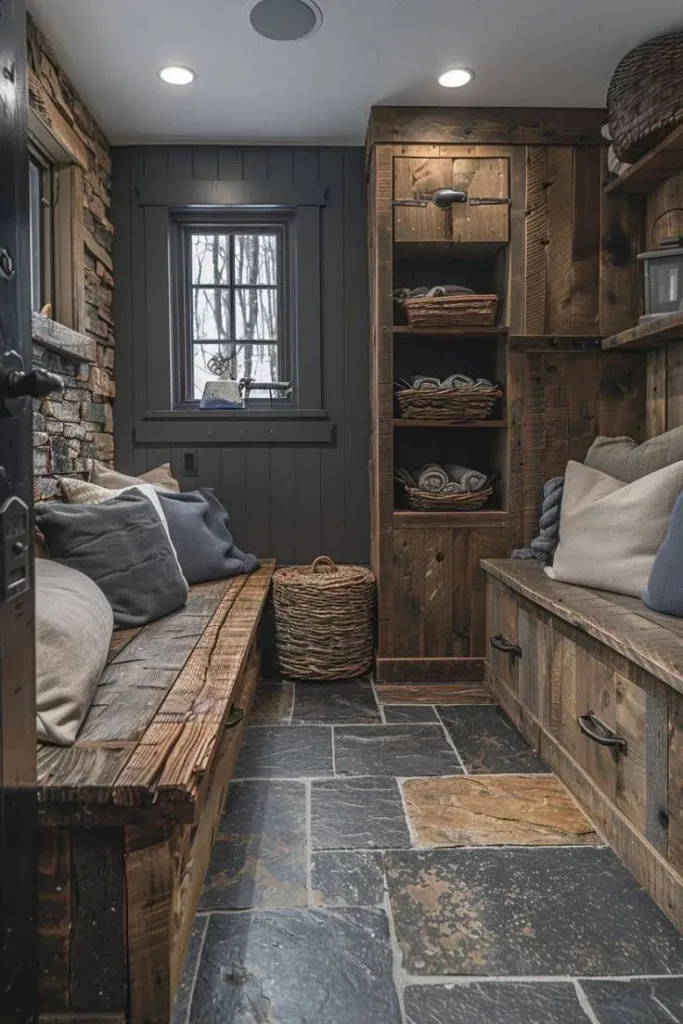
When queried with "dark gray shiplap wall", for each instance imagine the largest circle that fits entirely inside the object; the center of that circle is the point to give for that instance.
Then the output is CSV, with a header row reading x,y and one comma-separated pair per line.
x,y
288,502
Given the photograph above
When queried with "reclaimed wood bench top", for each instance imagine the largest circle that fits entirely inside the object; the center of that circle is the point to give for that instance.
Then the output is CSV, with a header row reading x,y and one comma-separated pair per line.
x,y
159,709
648,639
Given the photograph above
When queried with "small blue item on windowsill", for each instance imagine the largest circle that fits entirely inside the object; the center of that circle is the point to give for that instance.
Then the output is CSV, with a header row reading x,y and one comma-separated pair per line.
x,y
221,394
664,591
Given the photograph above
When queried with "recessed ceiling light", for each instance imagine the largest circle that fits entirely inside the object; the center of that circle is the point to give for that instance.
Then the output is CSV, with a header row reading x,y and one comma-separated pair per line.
x,y
456,77
285,20
176,74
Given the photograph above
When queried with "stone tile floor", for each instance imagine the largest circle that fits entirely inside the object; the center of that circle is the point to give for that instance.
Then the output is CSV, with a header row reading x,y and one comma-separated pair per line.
x,y
388,855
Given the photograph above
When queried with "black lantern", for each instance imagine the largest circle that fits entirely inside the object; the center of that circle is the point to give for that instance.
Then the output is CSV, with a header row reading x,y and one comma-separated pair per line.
x,y
663,276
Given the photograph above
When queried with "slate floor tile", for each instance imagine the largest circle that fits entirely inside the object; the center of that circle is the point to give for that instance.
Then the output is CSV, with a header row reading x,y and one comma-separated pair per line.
x,y
353,814
296,967
652,1001
347,878
490,810
330,703
281,751
443,693
272,704
259,857
488,742
494,1003
401,750
399,714
562,911
181,1007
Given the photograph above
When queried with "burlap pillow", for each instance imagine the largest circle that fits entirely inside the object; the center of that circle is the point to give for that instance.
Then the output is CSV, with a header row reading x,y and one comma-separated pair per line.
x,y
105,476
627,460
610,531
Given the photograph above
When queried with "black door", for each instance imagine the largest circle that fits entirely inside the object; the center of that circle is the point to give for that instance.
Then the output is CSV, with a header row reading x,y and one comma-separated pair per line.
x,y
18,925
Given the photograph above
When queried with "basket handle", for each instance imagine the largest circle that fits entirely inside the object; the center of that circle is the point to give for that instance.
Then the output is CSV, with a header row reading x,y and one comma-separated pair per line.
x,y
323,560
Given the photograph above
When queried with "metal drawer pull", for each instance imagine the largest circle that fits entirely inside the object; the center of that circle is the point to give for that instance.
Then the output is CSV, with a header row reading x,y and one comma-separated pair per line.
x,y
591,726
234,718
501,643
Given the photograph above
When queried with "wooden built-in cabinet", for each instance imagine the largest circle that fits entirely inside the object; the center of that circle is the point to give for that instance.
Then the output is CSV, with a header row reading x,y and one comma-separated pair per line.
x,y
560,254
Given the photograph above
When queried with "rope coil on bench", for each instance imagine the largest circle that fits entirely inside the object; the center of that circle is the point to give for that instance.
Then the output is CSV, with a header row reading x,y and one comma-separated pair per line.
x,y
323,620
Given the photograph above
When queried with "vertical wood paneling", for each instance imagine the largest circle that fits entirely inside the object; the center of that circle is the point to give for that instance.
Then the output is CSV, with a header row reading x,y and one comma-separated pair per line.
x,y
288,503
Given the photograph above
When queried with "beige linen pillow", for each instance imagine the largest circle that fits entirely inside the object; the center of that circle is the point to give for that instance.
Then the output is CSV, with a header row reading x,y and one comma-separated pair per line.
x,y
161,477
625,459
74,624
610,531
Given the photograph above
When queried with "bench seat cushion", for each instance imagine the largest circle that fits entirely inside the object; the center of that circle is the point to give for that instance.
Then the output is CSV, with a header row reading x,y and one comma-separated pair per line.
x,y
74,624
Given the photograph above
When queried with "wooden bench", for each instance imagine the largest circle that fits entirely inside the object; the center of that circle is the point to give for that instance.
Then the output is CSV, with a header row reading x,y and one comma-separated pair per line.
x,y
128,814
559,653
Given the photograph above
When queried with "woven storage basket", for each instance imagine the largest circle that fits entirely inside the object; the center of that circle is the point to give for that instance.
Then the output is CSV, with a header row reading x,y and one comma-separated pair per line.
x,y
456,405
424,501
644,97
323,620
452,311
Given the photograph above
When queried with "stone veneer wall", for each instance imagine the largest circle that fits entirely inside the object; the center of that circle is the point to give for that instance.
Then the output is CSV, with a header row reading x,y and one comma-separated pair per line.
x,y
72,428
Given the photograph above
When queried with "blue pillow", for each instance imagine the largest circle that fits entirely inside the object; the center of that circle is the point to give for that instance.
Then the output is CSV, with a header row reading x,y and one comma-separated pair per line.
x,y
665,587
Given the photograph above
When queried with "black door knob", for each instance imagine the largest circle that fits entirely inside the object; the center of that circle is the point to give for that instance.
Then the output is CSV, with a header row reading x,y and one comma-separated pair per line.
x,y
35,383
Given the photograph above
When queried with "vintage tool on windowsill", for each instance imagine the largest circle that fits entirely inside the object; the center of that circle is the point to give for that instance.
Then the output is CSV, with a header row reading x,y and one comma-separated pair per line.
x,y
277,390
444,198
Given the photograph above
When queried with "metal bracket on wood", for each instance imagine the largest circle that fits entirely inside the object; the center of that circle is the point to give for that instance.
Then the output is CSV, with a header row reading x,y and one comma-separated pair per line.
x,y
553,343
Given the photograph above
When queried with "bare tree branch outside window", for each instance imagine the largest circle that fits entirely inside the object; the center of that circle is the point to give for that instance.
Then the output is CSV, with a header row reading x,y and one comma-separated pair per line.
x,y
235,306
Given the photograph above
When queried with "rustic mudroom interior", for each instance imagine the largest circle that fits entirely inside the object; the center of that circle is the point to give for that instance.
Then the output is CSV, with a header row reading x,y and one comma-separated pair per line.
x,y
341,513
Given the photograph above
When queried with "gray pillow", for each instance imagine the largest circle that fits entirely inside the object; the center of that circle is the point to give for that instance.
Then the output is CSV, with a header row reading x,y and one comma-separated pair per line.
x,y
74,624
122,545
665,587
626,460
198,525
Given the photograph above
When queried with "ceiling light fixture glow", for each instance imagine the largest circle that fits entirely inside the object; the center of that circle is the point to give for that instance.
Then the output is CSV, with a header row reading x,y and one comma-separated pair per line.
x,y
456,77
177,74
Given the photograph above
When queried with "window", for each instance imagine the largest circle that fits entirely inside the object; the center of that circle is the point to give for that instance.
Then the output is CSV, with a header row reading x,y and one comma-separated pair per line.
x,y
233,306
41,190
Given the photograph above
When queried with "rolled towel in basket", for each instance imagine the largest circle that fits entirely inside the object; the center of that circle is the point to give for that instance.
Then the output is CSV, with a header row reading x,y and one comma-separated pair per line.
x,y
471,480
421,383
432,478
448,289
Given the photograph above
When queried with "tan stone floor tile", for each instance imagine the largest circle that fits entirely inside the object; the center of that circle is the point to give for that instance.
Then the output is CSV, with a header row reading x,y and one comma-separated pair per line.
x,y
444,693
496,810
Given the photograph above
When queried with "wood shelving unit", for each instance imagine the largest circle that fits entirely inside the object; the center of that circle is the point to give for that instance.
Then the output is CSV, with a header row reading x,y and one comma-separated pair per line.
x,y
658,332
493,518
440,424
450,332
652,169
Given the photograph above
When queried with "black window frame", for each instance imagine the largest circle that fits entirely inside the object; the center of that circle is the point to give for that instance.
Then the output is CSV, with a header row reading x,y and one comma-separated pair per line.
x,y
230,221
47,168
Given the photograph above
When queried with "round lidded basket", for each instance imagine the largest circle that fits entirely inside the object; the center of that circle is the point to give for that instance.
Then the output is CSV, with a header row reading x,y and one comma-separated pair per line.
x,y
323,620
644,95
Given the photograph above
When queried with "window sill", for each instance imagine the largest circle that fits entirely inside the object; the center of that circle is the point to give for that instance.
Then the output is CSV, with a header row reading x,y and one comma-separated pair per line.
x,y
238,427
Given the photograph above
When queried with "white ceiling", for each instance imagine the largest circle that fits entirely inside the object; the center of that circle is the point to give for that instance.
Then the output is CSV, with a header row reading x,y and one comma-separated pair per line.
x,y
252,90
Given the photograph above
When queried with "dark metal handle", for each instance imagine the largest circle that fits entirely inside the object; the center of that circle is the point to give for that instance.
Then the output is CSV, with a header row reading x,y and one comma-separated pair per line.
x,y
234,718
501,643
591,726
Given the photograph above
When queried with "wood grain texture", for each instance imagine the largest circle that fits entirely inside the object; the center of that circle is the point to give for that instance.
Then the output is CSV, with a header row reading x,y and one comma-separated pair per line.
x,y
651,334
657,166
149,883
619,626
63,340
486,810
430,670
502,126
453,693
622,237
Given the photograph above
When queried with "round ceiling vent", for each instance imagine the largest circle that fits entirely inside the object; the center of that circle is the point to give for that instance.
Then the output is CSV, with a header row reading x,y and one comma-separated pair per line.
x,y
285,20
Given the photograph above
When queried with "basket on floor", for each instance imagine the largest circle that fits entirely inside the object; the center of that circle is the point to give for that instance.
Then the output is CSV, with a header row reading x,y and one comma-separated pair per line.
x,y
451,311
644,96
453,405
426,501
323,620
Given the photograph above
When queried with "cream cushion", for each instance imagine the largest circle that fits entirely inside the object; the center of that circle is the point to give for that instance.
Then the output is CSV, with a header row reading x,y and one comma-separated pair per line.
x,y
74,624
610,531
627,460
105,476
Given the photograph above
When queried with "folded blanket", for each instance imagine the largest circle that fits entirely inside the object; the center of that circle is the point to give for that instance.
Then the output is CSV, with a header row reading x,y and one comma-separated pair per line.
x,y
432,478
470,480
448,289
421,383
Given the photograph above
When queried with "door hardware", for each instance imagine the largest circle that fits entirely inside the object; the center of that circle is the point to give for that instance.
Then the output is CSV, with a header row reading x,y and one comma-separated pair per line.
x,y
444,198
6,265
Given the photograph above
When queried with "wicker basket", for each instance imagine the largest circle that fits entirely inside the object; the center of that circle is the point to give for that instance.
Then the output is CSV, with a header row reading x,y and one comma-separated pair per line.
x,y
323,620
456,405
644,96
424,501
452,311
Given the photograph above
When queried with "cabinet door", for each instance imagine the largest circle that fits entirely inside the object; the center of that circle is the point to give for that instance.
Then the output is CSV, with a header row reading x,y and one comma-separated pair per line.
x,y
480,177
535,639
501,619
